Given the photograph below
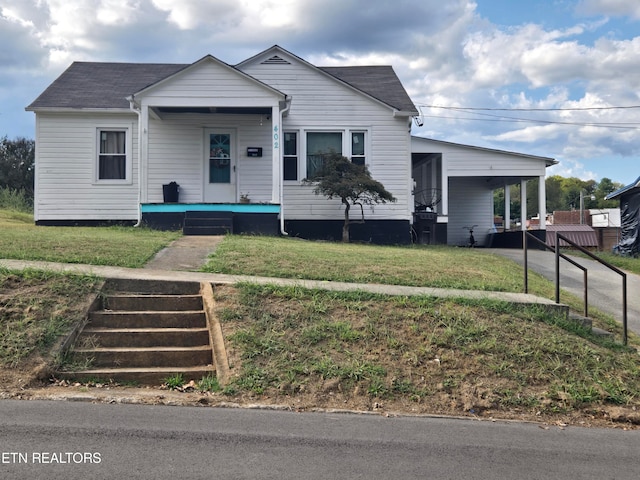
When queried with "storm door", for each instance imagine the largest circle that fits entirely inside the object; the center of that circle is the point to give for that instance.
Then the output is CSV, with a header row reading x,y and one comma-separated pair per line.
x,y
219,167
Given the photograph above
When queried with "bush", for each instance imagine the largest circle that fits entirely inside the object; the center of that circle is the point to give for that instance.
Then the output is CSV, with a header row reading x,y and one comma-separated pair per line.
x,y
17,200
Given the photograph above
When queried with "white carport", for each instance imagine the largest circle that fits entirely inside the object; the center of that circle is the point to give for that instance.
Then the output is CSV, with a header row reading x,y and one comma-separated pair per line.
x,y
463,178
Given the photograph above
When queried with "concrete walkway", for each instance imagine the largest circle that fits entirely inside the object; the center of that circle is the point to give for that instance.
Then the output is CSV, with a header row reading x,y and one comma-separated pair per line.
x,y
604,286
186,276
181,260
185,253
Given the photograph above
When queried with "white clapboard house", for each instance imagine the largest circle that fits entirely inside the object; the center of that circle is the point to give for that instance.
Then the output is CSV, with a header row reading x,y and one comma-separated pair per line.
x,y
210,147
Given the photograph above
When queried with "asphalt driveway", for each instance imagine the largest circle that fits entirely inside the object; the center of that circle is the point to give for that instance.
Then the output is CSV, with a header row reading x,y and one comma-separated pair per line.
x,y
605,286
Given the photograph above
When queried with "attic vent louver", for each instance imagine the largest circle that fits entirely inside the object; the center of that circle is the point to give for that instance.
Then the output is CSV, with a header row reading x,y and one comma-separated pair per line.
x,y
276,60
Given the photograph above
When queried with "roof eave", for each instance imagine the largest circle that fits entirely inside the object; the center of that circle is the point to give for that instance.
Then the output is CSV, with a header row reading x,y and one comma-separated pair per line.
x,y
396,112
77,109
548,160
405,113
219,62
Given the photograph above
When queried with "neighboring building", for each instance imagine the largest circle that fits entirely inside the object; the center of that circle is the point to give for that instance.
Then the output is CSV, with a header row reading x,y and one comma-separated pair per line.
x,y
582,235
629,196
211,147
603,223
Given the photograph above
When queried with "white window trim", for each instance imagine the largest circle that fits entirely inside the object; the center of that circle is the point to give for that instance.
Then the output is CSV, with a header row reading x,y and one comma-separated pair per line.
x,y
298,151
366,145
346,145
128,129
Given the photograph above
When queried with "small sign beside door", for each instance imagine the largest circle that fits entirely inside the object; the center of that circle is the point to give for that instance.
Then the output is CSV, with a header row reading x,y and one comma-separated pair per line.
x,y
254,151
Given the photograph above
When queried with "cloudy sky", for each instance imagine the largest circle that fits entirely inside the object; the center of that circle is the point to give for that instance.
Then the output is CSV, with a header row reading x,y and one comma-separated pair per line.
x,y
557,78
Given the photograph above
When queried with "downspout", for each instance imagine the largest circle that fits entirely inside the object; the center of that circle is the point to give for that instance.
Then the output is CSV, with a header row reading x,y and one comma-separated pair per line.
x,y
287,101
138,111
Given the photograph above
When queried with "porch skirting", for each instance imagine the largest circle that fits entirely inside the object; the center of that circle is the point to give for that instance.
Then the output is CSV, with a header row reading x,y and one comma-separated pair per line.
x,y
380,232
257,219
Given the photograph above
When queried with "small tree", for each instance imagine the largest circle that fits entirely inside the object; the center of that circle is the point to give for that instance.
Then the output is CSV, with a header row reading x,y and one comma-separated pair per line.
x,y
338,177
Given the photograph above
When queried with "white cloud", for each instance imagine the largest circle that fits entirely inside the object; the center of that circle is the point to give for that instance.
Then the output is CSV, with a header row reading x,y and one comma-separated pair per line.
x,y
444,53
627,8
189,14
117,12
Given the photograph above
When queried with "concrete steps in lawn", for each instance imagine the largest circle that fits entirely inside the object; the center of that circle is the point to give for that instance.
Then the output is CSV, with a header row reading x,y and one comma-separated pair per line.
x,y
138,334
207,223
588,324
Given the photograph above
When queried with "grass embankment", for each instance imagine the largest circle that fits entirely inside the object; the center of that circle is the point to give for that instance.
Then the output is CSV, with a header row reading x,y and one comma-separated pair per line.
x,y
307,348
37,308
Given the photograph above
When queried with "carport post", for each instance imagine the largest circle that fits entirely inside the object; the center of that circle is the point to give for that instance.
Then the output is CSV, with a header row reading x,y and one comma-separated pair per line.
x,y
523,204
526,261
557,269
542,203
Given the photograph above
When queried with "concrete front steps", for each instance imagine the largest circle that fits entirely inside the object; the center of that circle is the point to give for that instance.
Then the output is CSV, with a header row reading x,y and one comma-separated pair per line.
x,y
207,223
137,334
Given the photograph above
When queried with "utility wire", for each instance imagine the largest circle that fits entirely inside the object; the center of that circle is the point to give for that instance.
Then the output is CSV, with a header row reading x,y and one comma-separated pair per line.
x,y
533,109
502,118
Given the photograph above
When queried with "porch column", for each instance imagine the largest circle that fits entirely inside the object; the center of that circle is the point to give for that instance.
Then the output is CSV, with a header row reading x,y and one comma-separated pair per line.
x,y
523,204
276,165
444,183
143,154
507,208
542,202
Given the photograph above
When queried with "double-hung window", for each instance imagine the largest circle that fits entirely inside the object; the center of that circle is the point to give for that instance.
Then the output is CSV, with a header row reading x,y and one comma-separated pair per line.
x,y
358,149
350,143
319,145
290,156
112,155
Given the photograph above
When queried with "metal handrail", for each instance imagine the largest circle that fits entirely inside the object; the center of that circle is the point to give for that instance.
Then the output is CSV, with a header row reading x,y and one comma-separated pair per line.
x,y
610,267
525,237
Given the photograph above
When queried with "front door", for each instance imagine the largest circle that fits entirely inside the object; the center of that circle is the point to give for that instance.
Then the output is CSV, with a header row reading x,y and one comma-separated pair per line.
x,y
220,166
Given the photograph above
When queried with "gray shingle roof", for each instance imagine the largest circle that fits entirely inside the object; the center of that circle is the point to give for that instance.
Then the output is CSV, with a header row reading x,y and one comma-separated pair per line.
x,y
379,81
101,85
107,85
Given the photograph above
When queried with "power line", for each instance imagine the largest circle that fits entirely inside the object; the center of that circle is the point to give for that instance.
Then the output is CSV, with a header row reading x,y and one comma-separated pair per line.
x,y
523,120
577,109
502,118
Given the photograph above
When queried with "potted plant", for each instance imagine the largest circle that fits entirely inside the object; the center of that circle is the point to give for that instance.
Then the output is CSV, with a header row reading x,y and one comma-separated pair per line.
x,y
244,198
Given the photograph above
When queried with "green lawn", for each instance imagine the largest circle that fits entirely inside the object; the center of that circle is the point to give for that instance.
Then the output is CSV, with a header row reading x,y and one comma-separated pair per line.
x,y
132,247
441,267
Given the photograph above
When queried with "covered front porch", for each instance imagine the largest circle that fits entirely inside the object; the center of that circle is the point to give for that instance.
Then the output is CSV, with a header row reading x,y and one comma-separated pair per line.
x,y
215,133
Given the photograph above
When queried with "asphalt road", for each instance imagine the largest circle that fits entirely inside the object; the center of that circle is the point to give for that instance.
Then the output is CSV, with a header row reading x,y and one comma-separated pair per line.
x,y
604,286
71,440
